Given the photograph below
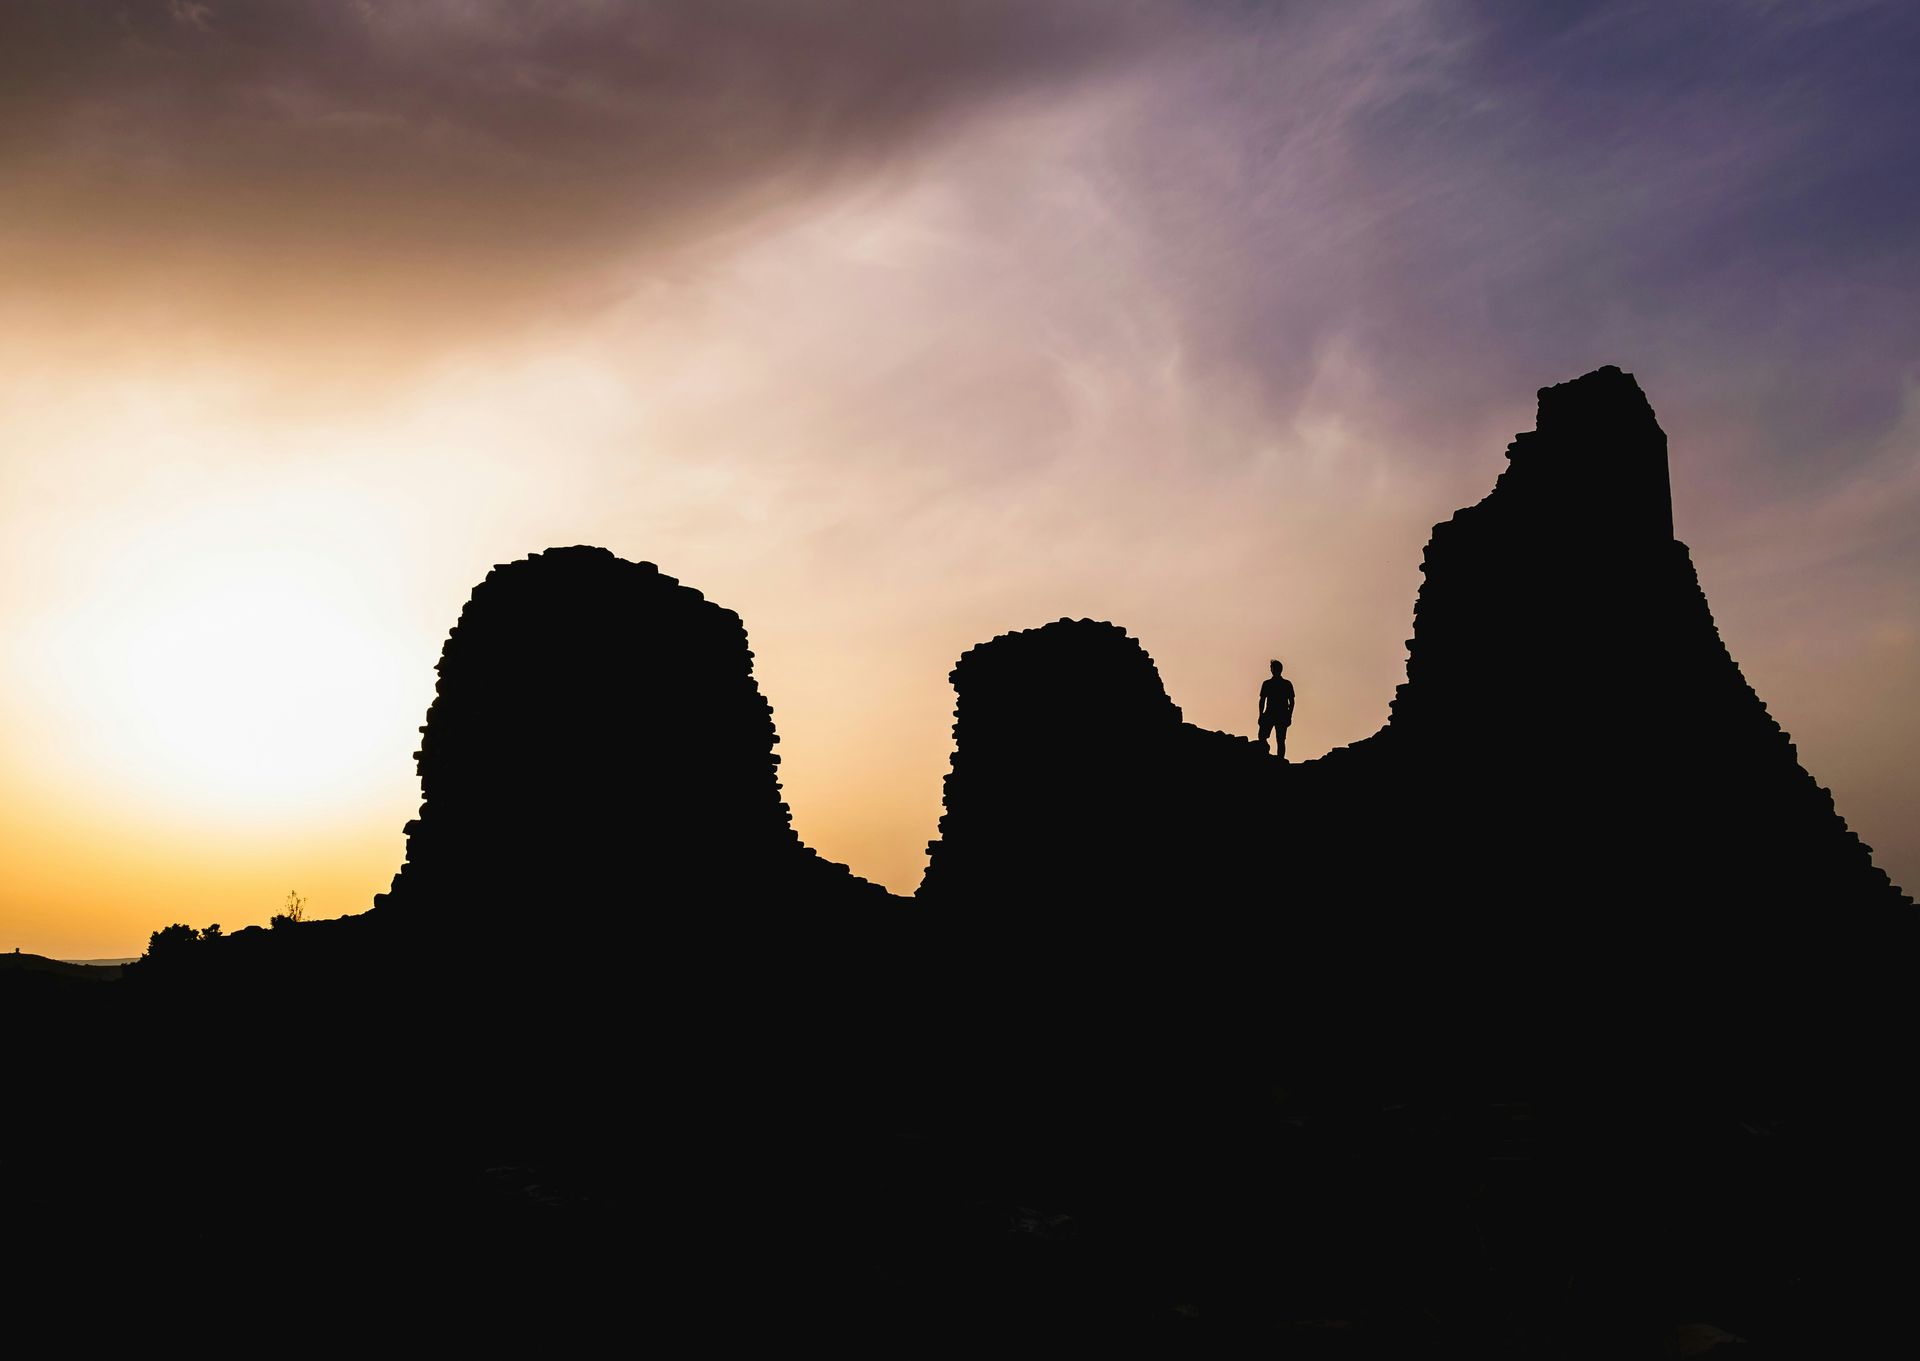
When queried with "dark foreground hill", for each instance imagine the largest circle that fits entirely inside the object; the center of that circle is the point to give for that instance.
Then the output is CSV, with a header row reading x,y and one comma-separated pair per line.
x,y
96,972
1561,1014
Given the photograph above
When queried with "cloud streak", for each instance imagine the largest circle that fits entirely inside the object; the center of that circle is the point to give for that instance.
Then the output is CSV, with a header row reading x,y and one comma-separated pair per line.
x,y
427,162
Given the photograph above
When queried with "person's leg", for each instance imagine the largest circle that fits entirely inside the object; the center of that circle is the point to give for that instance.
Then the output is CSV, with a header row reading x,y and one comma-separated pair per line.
x,y
1280,741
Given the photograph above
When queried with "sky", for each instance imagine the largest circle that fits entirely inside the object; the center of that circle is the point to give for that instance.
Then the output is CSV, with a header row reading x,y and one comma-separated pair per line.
x,y
892,327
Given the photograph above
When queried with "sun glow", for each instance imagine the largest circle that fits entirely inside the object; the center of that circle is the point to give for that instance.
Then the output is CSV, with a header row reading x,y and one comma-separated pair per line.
x,y
252,682
252,693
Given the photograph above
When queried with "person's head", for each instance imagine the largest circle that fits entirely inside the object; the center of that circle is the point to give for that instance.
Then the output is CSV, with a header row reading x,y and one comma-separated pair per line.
x,y
1276,667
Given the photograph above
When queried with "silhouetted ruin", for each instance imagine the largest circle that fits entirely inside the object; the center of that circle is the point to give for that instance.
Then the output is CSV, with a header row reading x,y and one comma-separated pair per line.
x,y
1075,781
597,738
1577,888
1561,1015
1564,653
1574,753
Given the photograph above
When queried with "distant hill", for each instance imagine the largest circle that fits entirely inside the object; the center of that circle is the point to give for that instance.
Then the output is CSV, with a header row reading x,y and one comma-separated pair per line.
x,y
81,971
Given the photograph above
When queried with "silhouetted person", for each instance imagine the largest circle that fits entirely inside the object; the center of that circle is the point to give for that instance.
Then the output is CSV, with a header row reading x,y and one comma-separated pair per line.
x,y
1276,710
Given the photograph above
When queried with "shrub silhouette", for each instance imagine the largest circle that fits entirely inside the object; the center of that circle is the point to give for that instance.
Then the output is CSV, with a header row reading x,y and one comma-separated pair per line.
x,y
296,912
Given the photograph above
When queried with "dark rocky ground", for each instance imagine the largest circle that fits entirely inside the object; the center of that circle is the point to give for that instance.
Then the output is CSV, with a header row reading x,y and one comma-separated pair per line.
x,y
1561,1018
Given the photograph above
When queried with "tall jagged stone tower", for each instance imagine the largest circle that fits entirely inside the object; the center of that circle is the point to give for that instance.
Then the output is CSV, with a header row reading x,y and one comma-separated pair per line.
x,y
1571,713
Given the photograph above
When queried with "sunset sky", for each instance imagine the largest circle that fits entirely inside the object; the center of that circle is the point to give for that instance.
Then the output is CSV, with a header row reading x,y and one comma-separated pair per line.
x,y
892,326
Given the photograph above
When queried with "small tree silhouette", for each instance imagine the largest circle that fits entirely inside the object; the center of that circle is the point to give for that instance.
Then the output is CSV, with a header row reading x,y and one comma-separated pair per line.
x,y
295,914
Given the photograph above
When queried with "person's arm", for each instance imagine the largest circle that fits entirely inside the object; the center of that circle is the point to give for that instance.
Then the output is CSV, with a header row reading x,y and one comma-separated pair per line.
x,y
1289,701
